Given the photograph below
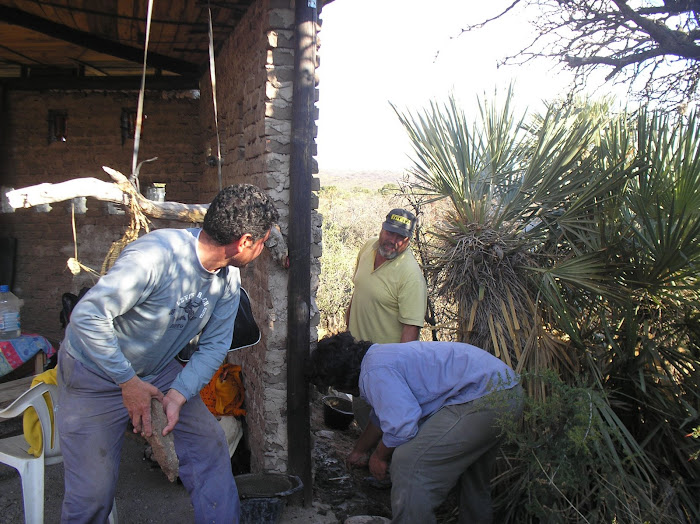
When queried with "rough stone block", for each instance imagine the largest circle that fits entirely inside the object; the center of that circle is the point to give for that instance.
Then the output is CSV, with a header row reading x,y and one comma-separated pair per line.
x,y
280,57
163,447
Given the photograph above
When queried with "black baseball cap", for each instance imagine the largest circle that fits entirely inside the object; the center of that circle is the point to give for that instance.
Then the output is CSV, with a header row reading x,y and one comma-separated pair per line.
x,y
400,221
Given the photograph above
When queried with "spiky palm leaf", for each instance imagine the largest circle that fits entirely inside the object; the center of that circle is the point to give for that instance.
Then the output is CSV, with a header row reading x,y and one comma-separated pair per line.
x,y
509,184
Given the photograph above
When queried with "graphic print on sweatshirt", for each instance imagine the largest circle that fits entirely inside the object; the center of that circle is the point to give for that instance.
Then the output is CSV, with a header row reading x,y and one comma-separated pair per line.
x,y
188,308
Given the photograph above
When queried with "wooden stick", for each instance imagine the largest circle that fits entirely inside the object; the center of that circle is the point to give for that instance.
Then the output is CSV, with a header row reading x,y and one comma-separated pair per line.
x,y
106,191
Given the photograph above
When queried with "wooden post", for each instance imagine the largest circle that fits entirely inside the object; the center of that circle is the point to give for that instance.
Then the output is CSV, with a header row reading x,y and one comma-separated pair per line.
x,y
299,301
39,362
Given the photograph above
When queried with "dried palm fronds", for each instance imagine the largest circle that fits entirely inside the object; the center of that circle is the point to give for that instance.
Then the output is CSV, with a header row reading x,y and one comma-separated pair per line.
x,y
484,276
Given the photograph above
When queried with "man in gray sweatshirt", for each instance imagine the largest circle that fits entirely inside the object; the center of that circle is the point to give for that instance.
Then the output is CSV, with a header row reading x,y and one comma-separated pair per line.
x,y
119,352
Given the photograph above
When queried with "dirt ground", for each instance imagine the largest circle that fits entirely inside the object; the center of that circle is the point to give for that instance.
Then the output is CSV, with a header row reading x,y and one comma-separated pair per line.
x,y
349,492
145,496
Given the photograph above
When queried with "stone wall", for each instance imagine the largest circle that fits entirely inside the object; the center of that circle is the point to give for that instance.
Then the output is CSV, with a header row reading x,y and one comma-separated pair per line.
x,y
254,84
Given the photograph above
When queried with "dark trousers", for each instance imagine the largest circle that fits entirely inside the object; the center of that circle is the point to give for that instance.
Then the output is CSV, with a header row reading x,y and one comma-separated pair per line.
x,y
92,420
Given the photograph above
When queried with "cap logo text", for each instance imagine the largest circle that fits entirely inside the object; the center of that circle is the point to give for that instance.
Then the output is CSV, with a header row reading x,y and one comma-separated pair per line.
x,y
402,219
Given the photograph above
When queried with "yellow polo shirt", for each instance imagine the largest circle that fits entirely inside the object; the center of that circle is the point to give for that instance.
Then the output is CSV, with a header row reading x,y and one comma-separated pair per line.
x,y
386,298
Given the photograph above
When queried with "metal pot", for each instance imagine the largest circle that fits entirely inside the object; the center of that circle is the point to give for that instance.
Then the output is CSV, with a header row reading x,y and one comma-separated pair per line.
x,y
337,412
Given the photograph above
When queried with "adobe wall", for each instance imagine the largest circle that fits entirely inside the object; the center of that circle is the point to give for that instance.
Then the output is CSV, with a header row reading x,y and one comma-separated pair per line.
x,y
45,239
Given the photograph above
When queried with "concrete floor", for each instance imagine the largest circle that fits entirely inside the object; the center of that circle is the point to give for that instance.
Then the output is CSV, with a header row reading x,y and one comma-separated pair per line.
x,y
144,495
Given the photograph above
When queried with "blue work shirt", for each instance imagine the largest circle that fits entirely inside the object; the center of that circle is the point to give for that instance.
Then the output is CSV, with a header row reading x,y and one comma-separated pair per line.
x,y
406,383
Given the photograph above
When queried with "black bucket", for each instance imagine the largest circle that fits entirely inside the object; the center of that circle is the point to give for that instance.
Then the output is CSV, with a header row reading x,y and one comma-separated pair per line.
x,y
337,412
263,495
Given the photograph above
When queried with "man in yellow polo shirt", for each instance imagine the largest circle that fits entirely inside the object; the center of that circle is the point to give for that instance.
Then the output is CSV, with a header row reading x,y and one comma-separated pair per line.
x,y
390,297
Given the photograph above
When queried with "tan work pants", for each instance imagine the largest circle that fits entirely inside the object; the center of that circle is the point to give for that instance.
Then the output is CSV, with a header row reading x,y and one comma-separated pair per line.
x,y
456,446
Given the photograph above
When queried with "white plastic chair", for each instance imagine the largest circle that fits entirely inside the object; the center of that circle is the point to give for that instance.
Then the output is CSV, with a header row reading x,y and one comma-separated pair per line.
x,y
14,452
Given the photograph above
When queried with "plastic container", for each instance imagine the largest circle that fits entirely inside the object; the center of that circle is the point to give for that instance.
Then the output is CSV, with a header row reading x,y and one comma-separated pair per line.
x,y
263,495
156,192
9,314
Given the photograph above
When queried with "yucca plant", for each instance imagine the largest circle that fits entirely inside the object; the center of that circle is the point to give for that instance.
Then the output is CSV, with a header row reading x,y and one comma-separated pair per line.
x,y
571,245
510,185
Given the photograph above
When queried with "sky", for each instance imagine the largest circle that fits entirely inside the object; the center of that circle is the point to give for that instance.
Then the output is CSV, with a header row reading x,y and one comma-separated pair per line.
x,y
407,52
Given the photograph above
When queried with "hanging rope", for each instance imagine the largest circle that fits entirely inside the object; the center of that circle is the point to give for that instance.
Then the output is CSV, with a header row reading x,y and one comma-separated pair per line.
x,y
74,264
139,109
212,71
138,221
131,187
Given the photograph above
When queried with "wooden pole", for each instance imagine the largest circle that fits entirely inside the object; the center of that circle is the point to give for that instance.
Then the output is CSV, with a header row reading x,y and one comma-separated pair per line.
x,y
299,305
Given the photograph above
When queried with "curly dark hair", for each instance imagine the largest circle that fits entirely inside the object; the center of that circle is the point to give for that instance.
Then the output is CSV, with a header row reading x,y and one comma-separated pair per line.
x,y
237,210
336,362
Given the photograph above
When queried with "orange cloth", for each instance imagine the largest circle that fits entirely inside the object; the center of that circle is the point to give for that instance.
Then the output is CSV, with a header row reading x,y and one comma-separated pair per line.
x,y
224,394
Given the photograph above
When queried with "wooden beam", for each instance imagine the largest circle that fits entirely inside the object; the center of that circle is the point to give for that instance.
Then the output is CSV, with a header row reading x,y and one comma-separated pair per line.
x,y
299,288
103,83
106,191
95,43
113,192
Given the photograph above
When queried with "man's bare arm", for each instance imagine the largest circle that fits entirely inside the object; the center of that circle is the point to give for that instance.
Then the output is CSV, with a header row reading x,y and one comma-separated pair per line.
x,y
409,333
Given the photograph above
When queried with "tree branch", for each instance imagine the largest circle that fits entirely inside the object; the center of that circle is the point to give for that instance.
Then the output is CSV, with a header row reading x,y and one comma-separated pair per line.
x,y
120,192
670,40
579,61
104,191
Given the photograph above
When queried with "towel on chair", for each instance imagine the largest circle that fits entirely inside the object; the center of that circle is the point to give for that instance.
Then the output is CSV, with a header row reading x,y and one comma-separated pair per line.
x,y
30,421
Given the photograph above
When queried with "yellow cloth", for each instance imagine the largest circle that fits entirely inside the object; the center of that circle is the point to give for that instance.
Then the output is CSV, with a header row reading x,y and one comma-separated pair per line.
x,y
30,422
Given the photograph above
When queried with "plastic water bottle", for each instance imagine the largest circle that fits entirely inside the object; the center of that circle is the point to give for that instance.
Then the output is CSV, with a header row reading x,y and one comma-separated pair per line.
x,y
9,314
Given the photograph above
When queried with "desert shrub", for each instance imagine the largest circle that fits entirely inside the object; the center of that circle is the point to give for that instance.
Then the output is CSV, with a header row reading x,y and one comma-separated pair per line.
x,y
565,453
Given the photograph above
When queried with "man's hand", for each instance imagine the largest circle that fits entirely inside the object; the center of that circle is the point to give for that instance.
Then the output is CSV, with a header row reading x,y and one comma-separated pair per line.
x,y
379,461
359,456
378,466
357,459
172,402
136,395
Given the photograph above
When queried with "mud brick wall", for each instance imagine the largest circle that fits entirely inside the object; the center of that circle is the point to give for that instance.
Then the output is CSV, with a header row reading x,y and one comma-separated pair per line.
x,y
45,238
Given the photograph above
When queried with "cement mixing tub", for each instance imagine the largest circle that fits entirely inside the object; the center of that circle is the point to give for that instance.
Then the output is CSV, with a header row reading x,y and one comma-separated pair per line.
x,y
263,495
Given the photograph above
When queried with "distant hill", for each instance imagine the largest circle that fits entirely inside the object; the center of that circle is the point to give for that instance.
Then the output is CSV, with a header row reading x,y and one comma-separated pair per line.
x,y
366,178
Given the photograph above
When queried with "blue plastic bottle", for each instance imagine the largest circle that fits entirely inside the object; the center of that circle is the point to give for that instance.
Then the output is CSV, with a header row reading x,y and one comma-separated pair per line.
x,y
9,314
